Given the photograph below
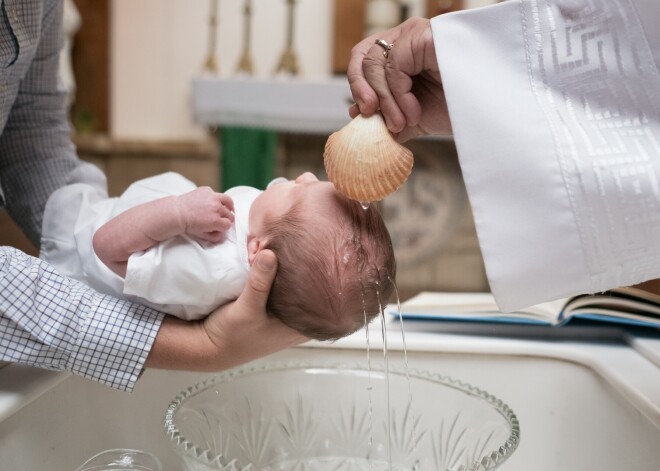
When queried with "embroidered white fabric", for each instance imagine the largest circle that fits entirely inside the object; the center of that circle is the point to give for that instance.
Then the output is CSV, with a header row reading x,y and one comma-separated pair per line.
x,y
593,75
555,106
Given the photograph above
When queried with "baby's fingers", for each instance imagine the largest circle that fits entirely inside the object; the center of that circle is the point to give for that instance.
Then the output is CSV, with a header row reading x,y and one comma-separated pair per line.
x,y
223,212
225,201
217,224
214,237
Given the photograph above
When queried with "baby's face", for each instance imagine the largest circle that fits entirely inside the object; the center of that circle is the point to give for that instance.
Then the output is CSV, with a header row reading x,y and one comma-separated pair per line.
x,y
277,199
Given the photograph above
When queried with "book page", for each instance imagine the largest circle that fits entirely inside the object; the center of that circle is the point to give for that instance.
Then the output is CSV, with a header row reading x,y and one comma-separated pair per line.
x,y
625,304
476,306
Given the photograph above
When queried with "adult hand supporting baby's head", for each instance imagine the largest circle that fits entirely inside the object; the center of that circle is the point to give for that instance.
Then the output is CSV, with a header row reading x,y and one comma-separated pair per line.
x,y
233,334
243,330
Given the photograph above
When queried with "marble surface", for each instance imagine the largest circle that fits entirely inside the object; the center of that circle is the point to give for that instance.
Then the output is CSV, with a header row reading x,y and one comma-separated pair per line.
x,y
572,391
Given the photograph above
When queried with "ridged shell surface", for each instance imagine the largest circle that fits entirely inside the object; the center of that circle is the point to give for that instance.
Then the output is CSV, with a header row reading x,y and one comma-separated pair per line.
x,y
364,161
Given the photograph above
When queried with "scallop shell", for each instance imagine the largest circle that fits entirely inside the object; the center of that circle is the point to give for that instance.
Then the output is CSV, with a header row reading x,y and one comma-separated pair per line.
x,y
364,161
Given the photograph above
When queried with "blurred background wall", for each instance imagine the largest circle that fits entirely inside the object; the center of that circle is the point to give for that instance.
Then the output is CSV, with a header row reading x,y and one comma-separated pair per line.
x,y
158,46
134,60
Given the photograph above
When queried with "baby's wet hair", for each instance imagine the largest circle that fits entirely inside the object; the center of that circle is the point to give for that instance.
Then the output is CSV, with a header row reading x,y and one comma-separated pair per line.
x,y
333,275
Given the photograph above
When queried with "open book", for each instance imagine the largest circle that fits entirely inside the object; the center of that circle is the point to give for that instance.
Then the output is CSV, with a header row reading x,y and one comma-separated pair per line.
x,y
622,305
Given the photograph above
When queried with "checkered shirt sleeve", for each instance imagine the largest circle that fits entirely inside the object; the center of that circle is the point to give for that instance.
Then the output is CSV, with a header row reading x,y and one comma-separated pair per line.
x,y
36,153
53,322
47,320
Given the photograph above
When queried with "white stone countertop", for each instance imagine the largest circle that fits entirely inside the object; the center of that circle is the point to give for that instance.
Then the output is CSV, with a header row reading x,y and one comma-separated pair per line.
x,y
628,361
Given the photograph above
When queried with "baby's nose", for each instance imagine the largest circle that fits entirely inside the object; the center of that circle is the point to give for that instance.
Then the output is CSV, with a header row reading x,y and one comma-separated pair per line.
x,y
307,177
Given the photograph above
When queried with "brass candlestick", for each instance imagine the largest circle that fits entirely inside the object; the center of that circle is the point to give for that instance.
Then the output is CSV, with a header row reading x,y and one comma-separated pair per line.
x,y
245,62
289,61
210,64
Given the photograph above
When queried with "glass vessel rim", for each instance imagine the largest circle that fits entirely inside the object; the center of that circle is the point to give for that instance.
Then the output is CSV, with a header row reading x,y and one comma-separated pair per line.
x,y
201,455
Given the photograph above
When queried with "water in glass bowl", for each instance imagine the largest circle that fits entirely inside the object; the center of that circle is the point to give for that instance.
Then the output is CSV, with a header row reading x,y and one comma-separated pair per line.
x,y
294,416
334,464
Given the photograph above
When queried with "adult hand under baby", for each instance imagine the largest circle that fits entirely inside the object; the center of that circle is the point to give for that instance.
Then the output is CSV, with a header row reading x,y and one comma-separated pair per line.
x,y
233,334
243,331
404,83
205,215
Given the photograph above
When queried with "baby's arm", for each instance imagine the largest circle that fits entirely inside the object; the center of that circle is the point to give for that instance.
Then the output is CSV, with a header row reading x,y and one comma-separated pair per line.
x,y
202,214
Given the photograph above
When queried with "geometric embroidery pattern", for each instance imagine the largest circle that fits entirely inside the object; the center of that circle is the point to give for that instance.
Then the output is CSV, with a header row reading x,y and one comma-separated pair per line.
x,y
593,75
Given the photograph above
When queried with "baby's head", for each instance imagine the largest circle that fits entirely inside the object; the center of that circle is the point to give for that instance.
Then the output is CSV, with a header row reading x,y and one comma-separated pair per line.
x,y
336,265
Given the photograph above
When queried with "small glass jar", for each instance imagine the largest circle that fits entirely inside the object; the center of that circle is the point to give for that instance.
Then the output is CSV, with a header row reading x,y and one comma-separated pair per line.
x,y
122,460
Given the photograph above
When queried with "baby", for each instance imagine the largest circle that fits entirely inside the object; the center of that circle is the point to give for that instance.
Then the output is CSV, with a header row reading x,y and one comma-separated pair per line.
x,y
186,250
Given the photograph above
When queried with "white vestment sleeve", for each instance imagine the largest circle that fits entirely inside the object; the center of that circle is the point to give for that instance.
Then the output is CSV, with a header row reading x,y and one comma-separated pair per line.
x,y
555,107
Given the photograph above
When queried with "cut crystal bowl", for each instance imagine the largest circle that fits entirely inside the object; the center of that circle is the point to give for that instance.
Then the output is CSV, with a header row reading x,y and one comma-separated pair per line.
x,y
319,416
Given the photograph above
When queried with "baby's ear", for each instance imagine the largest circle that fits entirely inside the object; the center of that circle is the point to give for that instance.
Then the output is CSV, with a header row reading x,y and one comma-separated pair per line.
x,y
254,245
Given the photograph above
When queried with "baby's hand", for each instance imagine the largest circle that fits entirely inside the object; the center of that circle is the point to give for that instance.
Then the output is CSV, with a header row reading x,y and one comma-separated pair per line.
x,y
205,215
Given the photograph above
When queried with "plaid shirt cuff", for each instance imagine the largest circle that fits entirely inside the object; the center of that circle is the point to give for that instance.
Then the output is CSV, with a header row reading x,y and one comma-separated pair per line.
x,y
114,342
53,322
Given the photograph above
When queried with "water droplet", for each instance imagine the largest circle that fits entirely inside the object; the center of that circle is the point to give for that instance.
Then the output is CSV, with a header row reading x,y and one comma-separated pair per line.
x,y
364,205
405,351
370,441
387,382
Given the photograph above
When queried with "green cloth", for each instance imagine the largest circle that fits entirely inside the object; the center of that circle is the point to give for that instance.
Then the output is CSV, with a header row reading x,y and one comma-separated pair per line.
x,y
247,157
